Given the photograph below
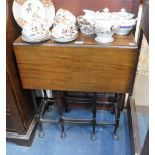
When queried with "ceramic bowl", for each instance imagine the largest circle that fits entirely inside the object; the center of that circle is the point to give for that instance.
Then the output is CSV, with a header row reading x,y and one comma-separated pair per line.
x,y
105,31
105,27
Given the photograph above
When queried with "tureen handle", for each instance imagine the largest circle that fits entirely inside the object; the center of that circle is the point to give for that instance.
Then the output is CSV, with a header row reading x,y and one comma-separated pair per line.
x,y
123,10
106,10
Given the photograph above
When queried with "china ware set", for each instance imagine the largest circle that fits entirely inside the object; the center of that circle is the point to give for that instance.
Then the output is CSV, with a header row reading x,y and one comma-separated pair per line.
x,y
64,26
39,22
104,24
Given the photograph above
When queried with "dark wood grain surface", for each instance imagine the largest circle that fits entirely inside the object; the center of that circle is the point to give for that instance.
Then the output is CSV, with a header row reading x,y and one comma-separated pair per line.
x,y
87,67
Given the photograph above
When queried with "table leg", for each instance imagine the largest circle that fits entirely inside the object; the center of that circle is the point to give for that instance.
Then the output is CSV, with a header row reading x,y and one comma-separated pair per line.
x,y
66,104
60,110
122,101
117,116
93,137
113,105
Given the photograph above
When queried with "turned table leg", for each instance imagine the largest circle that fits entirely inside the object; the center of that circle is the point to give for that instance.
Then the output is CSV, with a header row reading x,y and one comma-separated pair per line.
x,y
117,105
93,137
60,110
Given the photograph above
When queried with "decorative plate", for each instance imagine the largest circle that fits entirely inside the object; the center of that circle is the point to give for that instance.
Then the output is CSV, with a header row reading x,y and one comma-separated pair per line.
x,y
36,40
65,39
26,11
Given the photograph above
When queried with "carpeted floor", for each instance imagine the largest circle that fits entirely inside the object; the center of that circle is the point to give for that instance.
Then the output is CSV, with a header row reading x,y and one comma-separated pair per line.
x,y
78,140
143,125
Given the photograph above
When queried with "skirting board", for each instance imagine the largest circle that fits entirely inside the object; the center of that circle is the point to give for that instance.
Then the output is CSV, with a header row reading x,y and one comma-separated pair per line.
x,y
25,140
133,127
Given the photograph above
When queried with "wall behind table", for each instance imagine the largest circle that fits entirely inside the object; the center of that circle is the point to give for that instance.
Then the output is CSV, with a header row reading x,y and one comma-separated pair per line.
x,y
76,6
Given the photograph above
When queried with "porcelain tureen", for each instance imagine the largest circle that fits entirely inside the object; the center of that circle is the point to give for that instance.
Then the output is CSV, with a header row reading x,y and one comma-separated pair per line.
x,y
105,26
127,22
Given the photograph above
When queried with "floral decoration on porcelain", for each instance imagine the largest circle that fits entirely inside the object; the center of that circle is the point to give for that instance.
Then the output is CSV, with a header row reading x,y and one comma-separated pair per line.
x,y
20,1
47,3
21,22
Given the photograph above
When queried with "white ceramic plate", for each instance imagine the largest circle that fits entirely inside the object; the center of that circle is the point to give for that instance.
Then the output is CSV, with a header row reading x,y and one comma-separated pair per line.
x,y
65,39
36,38
26,11
36,41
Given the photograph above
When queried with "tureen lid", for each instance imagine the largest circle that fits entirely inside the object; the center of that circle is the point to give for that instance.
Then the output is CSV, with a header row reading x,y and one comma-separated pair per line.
x,y
124,14
105,15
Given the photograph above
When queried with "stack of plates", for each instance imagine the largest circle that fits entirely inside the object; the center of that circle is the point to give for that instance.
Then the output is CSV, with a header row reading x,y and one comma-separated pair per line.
x,y
65,28
28,35
65,39
34,38
35,32
35,17
63,33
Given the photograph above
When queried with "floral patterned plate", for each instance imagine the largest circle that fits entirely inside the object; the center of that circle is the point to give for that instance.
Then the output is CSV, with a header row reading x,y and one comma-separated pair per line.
x,y
65,39
26,11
